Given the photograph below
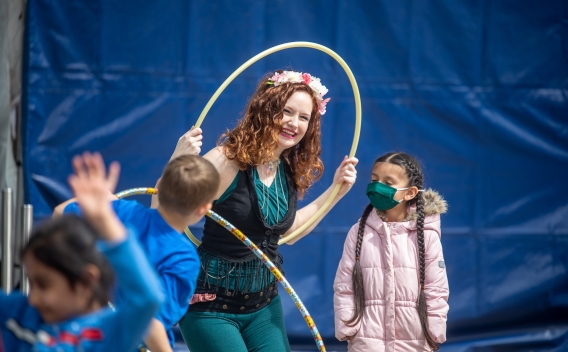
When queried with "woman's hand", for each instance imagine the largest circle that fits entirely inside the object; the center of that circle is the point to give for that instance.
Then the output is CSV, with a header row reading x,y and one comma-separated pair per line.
x,y
189,144
346,174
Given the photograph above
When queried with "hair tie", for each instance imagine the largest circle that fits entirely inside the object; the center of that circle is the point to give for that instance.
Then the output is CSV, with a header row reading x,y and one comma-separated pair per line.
x,y
357,258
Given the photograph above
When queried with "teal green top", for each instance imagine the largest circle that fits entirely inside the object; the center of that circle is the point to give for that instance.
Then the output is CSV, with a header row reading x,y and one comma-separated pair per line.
x,y
251,276
276,194
229,189
273,200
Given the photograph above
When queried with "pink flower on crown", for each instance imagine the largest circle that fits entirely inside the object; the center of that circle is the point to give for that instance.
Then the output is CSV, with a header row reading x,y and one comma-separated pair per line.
x,y
322,104
297,77
276,78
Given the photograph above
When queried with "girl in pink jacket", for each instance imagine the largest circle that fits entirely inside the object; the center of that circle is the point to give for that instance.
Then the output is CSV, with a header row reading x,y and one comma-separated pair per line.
x,y
391,288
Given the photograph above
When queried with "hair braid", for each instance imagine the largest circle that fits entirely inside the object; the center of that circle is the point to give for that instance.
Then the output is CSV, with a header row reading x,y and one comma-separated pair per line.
x,y
420,237
416,178
357,276
422,305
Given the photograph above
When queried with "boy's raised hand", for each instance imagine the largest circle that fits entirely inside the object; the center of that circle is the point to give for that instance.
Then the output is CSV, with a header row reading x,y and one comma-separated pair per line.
x,y
91,186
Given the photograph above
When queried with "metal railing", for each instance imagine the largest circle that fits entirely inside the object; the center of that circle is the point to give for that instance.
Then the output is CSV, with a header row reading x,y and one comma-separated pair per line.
x,y
27,223
7,235
8,240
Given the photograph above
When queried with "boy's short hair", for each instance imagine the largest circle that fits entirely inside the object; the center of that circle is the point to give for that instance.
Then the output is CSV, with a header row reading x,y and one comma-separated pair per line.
x,y
188,182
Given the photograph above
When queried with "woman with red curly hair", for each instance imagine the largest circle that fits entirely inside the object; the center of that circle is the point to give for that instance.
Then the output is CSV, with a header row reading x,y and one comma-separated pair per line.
x,y
266,162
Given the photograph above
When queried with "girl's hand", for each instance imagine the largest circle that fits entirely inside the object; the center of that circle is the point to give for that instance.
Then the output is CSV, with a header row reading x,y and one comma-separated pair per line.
x,y
190,143
91,186
347,174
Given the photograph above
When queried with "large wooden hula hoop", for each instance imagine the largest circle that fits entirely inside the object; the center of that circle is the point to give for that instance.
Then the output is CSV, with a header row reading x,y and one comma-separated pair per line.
x,y
354,144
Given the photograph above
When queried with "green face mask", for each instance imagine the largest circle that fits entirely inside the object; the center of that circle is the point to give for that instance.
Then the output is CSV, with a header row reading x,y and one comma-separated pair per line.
x,y
382,196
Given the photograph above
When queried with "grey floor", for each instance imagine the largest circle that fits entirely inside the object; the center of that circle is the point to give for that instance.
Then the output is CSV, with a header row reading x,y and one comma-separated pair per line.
x,y
180,347
303,346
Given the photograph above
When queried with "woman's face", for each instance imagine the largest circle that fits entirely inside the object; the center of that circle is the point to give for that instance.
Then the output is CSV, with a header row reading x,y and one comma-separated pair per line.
x,y
295,120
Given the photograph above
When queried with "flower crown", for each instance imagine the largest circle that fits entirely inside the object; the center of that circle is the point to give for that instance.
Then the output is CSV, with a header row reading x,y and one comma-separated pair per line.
x,y
299,77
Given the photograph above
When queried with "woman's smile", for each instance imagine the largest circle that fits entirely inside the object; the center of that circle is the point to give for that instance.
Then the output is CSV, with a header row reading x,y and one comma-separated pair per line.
x,y
288,133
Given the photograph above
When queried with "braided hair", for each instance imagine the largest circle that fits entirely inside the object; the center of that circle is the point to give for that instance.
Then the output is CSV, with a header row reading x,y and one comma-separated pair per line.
x,y
413,171
357,276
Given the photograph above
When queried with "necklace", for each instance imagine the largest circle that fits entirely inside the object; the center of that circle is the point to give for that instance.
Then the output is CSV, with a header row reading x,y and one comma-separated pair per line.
x,y
266,191
272,164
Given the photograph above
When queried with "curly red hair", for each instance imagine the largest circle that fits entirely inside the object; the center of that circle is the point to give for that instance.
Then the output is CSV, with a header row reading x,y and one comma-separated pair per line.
x,y
255,138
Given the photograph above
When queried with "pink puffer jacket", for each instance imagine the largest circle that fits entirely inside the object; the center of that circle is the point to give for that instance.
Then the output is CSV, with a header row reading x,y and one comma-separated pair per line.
x,y
389,262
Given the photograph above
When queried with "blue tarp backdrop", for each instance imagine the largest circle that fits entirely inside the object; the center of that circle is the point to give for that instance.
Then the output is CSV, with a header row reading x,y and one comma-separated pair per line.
x,y
477,90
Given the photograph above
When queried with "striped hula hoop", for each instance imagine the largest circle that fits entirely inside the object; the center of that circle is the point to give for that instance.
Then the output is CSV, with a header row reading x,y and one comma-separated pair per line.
x,y
247,242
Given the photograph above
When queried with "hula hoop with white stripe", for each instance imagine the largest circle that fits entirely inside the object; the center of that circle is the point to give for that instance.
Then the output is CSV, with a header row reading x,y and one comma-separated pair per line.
x,y
247,242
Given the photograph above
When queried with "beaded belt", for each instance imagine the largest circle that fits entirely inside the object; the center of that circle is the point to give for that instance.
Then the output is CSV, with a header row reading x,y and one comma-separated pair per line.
x,y
232,302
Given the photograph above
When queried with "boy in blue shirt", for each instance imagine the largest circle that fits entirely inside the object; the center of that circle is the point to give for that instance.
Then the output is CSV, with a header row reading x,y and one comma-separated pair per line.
x,y
186,190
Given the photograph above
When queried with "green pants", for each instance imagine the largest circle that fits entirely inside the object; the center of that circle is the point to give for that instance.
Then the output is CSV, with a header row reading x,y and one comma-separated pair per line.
x,y
260,331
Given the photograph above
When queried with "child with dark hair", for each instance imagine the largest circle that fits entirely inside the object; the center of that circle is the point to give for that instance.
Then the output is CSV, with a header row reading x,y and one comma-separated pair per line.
x,y
70,279
185,190
391,288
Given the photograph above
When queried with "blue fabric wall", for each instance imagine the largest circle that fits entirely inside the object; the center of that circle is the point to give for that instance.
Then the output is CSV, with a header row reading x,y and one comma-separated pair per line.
x,y
477,90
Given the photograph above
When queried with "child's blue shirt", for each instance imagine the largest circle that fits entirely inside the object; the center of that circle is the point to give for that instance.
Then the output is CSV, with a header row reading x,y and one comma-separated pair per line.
x,y
105,330
171,253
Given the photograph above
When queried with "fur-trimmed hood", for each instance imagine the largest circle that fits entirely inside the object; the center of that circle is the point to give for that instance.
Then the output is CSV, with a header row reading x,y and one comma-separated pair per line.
x,y
434,204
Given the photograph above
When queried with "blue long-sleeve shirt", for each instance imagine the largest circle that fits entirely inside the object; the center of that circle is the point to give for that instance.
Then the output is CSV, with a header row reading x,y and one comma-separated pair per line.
x,y
172,254
105,330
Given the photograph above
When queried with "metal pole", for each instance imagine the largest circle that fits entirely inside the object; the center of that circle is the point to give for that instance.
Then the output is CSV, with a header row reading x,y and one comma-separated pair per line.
x,y
27,224
7,240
